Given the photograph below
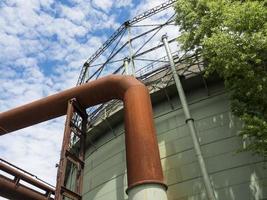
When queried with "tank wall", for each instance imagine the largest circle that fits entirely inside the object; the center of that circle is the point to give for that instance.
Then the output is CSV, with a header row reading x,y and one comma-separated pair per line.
x,y
234,175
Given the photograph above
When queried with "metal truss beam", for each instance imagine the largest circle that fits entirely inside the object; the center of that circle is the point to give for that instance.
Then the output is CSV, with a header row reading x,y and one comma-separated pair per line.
x,y
117,34
151,12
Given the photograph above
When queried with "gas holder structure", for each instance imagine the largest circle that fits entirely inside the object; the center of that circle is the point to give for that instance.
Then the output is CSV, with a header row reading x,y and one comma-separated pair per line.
x,y
142,123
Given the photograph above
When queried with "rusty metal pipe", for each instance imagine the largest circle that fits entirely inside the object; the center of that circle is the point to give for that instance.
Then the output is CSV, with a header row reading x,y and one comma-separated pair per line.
x,y
14,172
142,154
9,189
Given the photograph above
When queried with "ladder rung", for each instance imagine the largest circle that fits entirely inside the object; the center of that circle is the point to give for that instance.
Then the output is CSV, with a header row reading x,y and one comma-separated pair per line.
x,y
76,128
74,158
78,108
70,194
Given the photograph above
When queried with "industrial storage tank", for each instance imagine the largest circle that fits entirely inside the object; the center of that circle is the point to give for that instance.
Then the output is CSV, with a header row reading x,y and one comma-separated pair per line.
x,y
234,175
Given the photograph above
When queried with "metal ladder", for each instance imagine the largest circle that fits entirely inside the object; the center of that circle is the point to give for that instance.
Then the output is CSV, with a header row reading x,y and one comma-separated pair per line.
x,y
72,153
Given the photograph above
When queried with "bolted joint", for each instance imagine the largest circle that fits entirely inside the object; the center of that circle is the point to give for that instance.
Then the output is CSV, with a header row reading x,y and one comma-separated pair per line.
x,y
165,36
126,59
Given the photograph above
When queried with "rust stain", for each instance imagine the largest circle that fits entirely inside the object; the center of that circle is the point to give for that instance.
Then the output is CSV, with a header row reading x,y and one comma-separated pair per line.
x,y
142,153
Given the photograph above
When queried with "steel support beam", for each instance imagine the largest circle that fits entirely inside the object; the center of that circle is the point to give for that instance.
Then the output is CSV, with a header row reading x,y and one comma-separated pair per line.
x,y
117,34
190,122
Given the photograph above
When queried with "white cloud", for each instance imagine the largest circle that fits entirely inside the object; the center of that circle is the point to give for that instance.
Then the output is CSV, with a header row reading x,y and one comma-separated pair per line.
x,y
74,14
123,3
145,5
106,5
103,4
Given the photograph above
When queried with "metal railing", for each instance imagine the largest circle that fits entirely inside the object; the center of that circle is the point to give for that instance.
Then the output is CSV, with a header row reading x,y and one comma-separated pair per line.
x,y
155,77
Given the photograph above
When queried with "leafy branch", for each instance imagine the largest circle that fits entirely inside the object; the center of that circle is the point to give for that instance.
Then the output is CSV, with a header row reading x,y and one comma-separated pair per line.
x,y
232,37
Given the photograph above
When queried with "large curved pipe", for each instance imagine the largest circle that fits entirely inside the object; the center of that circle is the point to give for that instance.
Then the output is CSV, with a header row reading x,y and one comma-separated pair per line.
x,y
142,154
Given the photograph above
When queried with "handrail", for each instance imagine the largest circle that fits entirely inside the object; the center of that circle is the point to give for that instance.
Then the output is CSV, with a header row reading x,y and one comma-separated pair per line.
x,y
12,188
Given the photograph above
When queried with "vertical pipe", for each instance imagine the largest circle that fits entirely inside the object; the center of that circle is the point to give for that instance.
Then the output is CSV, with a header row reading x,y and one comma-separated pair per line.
x,y
190,122
85,73
131,52
126,66
148,192
142,150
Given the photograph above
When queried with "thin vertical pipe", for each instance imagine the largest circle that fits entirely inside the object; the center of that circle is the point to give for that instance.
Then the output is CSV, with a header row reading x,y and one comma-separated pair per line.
x,y
190,122
126,66
131,52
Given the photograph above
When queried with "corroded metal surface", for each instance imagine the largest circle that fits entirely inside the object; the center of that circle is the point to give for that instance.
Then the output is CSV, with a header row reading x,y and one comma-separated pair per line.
x,y
15,190
92,93
18,192
142,152
67,158
16,173
141,142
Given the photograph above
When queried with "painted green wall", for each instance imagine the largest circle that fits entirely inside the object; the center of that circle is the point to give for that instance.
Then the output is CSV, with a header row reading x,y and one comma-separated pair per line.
x,y
236,176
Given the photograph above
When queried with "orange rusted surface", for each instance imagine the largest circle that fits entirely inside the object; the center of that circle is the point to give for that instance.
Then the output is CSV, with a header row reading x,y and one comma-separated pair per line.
x,y
142,154
9,189
22,176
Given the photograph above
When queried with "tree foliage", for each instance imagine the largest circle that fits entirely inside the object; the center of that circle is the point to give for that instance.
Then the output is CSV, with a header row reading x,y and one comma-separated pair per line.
x,y
231,36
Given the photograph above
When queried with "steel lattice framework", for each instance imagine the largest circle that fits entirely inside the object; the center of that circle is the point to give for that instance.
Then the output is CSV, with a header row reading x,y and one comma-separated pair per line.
x,y
118,35
153,70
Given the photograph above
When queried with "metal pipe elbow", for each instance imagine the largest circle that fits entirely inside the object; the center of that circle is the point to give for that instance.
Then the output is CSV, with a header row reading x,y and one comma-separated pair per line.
x,y
142,153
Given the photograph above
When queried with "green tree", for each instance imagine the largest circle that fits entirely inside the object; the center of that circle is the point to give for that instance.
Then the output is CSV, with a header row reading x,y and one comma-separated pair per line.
x,y
231,36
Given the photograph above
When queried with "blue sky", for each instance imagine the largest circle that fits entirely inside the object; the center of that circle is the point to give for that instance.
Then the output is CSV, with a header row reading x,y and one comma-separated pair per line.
x,y
43,44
